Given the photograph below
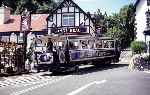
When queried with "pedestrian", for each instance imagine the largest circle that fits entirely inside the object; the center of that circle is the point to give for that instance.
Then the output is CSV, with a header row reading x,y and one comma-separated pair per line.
x,y
50,45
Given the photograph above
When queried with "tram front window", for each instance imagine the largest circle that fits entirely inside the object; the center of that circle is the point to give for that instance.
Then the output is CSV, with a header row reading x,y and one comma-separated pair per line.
x,y
112,45
106,44
109,44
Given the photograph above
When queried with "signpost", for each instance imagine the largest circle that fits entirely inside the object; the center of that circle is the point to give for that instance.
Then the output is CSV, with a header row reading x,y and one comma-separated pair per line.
x,y
24,29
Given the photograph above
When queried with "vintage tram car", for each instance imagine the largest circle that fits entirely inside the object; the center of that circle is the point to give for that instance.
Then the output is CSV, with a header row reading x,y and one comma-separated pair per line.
x,y
69,52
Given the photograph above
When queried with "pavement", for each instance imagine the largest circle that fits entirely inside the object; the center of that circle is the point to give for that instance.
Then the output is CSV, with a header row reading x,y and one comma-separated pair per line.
x,y
125,56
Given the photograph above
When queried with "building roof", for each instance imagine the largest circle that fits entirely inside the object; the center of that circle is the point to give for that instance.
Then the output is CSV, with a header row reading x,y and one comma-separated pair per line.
x,y
38,23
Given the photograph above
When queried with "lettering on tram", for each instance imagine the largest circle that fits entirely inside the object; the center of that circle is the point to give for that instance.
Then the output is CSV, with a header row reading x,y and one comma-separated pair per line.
x,y
68,52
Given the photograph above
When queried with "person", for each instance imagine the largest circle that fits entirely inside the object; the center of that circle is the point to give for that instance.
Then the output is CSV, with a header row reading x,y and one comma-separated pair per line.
x,y
50,45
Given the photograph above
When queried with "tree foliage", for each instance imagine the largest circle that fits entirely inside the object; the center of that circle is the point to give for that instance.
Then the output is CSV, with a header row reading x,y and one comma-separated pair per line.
x,y
138,47
35,6
121,25
100,21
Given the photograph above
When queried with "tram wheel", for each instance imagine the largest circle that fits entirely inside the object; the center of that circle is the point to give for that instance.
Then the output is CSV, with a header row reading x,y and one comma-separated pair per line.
x,y
108,61
98,63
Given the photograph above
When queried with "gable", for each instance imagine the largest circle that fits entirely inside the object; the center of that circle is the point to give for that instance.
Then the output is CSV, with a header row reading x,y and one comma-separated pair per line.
x,y
66,4
68,16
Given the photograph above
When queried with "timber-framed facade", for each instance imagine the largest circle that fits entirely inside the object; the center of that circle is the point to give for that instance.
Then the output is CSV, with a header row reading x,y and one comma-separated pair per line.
x,y
69,18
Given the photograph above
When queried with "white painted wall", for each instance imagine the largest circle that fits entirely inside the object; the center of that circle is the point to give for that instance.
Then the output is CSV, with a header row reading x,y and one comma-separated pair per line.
x,y
81,17
30,38
64,9
141,20
77,19
71,9
4,15
58,20
54,19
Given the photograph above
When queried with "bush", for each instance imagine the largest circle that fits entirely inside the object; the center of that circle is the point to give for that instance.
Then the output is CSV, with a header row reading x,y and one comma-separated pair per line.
x,y
138,47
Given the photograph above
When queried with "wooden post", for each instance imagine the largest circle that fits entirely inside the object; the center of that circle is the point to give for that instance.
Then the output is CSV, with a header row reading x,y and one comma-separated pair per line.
x,y
24,28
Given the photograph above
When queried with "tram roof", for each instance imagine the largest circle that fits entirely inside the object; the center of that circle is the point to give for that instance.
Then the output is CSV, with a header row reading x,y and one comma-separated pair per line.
x,y
74,37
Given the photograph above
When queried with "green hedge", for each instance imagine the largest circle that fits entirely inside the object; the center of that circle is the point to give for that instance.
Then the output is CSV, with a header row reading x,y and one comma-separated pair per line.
x,y
138,47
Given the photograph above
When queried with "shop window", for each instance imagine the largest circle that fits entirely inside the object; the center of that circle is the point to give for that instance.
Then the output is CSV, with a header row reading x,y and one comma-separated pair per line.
x,y
68,20
5,38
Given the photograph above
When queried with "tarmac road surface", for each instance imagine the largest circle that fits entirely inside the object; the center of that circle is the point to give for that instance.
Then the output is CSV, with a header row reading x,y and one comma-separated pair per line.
x,y
114,79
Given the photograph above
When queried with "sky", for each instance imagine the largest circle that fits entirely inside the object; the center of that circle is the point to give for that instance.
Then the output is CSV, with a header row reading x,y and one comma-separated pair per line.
x,y
110,6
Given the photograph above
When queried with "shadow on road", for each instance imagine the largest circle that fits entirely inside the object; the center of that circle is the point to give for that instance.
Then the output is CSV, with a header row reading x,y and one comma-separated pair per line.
x,y
58,74
87,70
99,68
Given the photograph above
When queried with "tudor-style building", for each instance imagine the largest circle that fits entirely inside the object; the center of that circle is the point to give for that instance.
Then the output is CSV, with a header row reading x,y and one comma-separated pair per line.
x,y
68,18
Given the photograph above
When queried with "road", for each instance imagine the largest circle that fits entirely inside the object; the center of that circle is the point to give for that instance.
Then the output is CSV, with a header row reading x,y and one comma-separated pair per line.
x,y
109,80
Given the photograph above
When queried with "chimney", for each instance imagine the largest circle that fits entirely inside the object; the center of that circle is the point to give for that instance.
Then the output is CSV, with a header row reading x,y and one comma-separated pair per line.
x,y
4,15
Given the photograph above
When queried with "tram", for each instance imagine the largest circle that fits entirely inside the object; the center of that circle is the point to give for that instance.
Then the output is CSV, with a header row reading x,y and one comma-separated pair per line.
x,y
69,52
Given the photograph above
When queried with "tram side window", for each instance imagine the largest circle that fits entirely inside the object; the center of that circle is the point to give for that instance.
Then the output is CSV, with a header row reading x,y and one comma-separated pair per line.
x,y
76,45
98,44
112,45
84,44
91,44
71,45
106,44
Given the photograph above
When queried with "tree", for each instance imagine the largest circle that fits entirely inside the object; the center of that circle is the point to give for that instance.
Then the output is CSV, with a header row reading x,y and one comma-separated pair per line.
x,y
100,21
35,6
138,47
121,25
127,20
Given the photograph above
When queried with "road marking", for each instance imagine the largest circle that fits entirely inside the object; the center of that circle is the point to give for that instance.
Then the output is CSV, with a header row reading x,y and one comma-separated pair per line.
x,y
30,83
24,81
36,81
86,86
39,86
